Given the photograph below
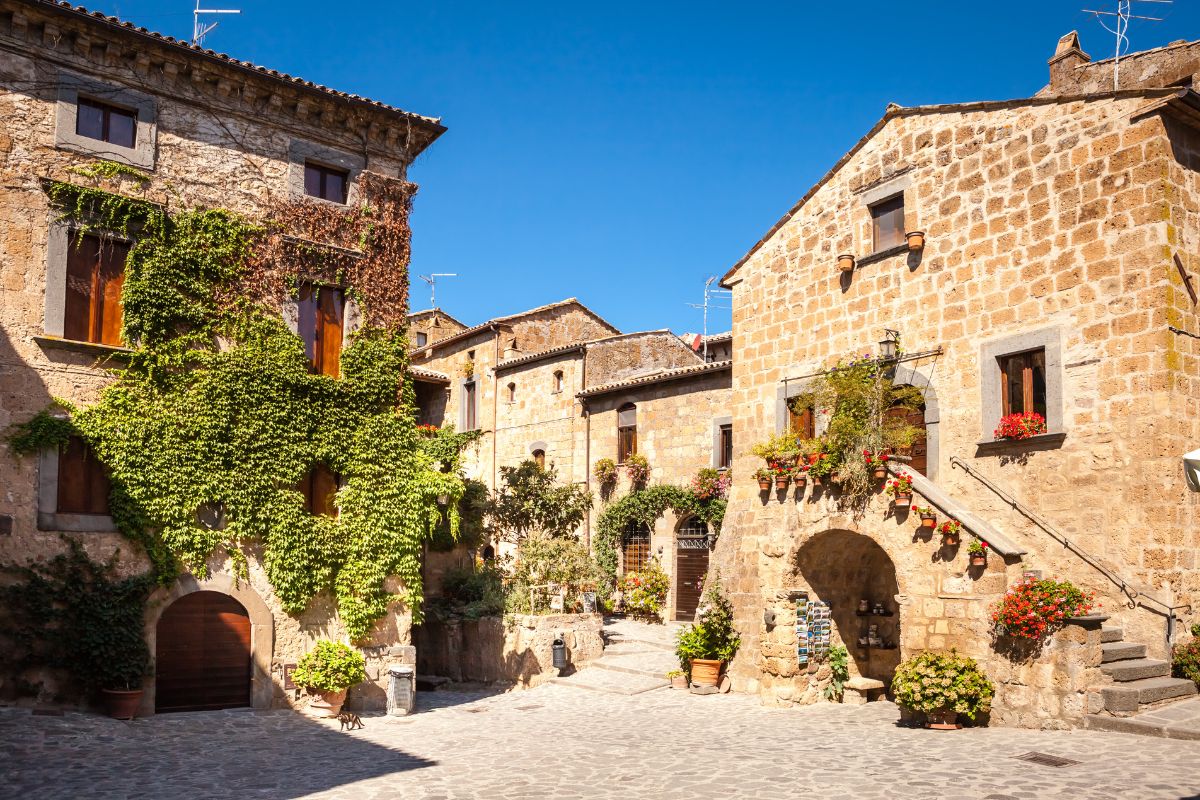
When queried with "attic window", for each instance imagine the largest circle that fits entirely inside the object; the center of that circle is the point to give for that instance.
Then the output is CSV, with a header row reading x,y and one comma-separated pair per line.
x,y
327,183
106,123
422,339
887,223
558,381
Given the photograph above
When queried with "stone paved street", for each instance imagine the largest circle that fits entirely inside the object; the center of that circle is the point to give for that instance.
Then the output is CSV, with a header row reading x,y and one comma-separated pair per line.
x,y
561,742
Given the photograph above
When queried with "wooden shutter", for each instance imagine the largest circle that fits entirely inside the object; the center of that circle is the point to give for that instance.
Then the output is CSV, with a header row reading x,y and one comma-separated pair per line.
x,y
109,280
95,275
801,422
725,443
83,484
319,487
331,312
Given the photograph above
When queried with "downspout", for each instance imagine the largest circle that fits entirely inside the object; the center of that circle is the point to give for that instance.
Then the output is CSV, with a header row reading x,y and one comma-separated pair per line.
x,y
587,448
496,333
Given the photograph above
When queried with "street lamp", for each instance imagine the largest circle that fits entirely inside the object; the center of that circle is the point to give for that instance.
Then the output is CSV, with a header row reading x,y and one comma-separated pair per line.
x,y
889,346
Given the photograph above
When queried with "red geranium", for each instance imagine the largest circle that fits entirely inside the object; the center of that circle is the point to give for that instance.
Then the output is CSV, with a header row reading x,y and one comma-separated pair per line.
x,y
1020,426
1032,609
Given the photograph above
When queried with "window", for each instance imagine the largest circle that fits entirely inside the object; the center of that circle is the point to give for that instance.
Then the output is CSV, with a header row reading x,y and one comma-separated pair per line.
x,y
320,316
422,339
1023,383
327,183
106,123
558,380
801,420
469,406
635,546
319,487
725,447
83,484
539,458
511,392
626,432
95,274
887,223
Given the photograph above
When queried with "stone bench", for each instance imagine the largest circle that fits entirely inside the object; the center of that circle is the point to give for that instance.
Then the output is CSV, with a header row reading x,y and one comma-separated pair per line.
x,y
858,691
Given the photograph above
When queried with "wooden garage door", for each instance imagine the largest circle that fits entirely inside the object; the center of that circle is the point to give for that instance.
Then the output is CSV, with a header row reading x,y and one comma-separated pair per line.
x,y
691,565
202,660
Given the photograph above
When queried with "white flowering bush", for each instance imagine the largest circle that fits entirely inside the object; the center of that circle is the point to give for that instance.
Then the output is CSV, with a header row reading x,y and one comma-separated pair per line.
x,y
931,682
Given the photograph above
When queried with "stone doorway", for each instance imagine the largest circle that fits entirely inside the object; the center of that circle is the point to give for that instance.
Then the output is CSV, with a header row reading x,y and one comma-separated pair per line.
x,y
202,654
691,565
843,568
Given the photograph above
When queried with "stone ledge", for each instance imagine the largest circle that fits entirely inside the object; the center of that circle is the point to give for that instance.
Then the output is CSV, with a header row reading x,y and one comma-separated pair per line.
x,y
89,348
1043,441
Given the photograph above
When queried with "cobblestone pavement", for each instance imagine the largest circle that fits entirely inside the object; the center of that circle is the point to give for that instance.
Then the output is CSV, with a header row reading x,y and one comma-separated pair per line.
x,y
560,742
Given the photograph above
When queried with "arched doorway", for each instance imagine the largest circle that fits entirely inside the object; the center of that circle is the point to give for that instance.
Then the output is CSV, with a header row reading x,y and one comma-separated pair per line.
x,y
841,569
635,546
202,654
691,565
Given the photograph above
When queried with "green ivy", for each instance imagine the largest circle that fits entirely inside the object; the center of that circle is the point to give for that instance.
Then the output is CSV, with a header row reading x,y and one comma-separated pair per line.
x,y
646,506
44,431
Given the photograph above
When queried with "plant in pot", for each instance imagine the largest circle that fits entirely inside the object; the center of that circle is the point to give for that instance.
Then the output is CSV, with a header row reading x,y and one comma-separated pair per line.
x,y
704,646
1020,426
1035,608
711,484
678,679
638,470
327,672
821,467
978,550
782,473
950,531
941,686
876,464
800,478
928,516
605,473
764,478
900,489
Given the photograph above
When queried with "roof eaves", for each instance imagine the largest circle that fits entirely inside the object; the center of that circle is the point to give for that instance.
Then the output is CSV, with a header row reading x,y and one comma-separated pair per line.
x,y
658,377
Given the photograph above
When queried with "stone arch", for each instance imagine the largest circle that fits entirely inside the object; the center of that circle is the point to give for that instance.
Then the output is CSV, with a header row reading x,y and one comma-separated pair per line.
x,y
908,376
538,445
262,631
841,567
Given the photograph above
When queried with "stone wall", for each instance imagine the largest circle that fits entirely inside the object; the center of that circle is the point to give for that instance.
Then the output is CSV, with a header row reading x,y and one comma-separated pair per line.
x,y
633,355
1041,216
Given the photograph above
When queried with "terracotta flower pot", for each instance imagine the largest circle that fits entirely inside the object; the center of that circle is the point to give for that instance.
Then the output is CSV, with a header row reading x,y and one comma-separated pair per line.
x,y
943,720
764,485
902,499
705,671
880,473
816,479
121,703
929,520
679,682
950,539
781,482
845,262
978,561
326,704
800,481
916,240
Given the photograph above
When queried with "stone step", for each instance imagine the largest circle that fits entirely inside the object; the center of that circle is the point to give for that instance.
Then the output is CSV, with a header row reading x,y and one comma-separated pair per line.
x,y
621,640
1129,697
1121,651
1136,669
1111,635
1179,720
612,682
655,665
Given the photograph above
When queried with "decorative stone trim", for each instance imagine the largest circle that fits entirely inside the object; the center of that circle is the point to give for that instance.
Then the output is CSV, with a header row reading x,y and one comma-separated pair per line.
x,y
1043,441
89,348
883,255
71,86
989,377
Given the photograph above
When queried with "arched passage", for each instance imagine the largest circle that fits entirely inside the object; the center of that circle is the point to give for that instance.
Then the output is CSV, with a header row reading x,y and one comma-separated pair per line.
x,y
842,568
202,654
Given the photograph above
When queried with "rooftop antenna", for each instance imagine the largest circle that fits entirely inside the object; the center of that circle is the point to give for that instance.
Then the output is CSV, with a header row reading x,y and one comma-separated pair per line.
x,y
431,279
709,292
1122,16
202,29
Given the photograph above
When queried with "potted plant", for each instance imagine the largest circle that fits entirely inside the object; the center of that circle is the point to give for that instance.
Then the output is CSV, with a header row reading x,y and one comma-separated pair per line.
x,y
605,473
900,489
916,240
876,464
780,448
978,550
678,679
1034,608
712,641
1185,658
782,473
764,477
467,368
1020,426
711,484
928,516
845,262
800,478
821,467
644,593
638,470
950,531
327,672
941,686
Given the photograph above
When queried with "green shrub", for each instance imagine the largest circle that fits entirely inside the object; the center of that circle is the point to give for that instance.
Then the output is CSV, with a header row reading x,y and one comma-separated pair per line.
x,y
330,667
471,593
644,593
543,560
713,636
1185,660
839,665
935,681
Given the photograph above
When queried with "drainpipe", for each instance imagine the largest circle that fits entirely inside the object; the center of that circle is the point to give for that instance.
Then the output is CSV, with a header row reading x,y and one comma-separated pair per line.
x,y
587,448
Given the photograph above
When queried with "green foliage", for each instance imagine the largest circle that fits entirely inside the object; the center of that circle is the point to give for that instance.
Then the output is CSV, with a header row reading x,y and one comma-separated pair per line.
x,y
111,170
542,560
97,211
605,473
713,635
330,667
470,593
644,593
46,430
779,448
933,681
638,469
530,500
839,666
472,512
73,614
1185,658
646,506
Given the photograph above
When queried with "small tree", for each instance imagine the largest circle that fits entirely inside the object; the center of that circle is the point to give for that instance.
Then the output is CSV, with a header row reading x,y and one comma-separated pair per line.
x,y
530,500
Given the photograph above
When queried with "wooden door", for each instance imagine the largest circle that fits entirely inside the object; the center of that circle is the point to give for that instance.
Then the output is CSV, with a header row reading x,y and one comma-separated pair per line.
x,y
920,446
202,660
691,565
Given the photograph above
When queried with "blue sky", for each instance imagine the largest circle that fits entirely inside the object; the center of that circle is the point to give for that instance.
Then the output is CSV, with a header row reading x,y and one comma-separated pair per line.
x,y
622,153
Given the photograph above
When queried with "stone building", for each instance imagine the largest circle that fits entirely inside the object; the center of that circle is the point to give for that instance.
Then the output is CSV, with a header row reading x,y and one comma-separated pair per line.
x,y
205,130
1060,254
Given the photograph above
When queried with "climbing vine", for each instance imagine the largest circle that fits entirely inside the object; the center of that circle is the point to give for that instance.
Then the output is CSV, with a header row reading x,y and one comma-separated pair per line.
x,y
217,419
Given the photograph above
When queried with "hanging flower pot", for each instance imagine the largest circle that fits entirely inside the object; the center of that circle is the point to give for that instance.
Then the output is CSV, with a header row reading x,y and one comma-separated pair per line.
x,y
876,463
916,240
781,481
800,479
978,550
763,476
950,532
928,516
900,488
845,262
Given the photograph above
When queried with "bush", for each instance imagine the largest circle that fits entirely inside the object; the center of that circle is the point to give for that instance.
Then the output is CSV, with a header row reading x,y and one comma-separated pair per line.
x,y
471,593
330,667
644,593
1185,658
543,560
713,636
943,681
1033,609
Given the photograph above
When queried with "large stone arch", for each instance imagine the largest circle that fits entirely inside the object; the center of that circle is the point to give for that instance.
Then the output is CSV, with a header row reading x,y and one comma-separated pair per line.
x,y
908,376
262,631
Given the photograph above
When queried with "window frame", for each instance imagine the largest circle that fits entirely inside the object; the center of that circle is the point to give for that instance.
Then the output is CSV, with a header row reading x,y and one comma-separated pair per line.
x,y
878,233
49,516
301,152
627,442
421,338
59,246
991,400
324,172
308,487
107,111
1027,362
72,88
318,357
468,405
558,382
725,446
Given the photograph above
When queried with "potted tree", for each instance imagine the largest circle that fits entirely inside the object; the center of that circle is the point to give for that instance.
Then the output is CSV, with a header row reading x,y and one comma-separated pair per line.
x,y
119,672
941,686
705,646
928,516
978,549
327,672
900,489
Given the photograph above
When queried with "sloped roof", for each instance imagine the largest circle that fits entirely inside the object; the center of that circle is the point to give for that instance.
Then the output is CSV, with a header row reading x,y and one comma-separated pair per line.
x,y
529,358
495,321
428,375
658,377
439,312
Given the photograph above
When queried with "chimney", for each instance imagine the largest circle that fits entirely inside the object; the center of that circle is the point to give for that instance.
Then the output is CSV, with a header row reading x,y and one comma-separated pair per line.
x,y
1067,59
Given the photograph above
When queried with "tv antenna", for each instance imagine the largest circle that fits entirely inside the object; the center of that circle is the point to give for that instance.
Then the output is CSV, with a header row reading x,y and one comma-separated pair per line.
x,y
431,279
202,29
1121,21
709,293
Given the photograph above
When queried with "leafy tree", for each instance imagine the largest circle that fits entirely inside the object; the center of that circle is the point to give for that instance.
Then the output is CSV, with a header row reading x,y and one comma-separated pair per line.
x,y
530,500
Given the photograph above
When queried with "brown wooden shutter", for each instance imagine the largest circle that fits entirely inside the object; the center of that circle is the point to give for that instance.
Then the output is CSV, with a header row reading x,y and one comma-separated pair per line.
x,y
331,312
107,301
83,484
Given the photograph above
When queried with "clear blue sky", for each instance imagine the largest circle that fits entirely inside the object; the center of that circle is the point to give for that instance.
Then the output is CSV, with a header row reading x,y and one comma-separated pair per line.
x,y
623,152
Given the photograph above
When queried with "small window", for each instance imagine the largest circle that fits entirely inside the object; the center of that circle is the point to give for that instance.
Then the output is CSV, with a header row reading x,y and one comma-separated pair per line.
x,y
1023,382
635,546
512,392
725,447
321,316
626,432
319,488
539,458
887,223
422,339
95,275
83,484
468,399
801,421
106,123
558,380
327,183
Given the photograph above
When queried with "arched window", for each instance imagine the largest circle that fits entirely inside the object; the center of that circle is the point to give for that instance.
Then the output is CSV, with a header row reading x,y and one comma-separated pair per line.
x,y
539,458
635,546
512,393
558,380
626,432
693,528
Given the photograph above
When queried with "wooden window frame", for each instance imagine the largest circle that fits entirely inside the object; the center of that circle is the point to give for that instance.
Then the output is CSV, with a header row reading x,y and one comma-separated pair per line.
x,y
321,325
642,549
422,339
558,381
469,401
626,434
323,173
725,446
539,457
317,478
886,208
81,478
107,110
802,423
1028,363
101,303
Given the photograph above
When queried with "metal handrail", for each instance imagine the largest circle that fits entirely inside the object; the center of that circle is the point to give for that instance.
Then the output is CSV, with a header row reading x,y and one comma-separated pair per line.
x,y
1135,597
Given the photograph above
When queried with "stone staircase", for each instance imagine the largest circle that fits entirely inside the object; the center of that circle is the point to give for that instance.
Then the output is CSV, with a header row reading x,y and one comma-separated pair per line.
x,y
1140,685
636,659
